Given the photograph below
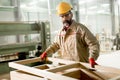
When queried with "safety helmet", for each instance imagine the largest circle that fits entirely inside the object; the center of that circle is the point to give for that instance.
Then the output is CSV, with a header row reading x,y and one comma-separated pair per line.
x,y
63,8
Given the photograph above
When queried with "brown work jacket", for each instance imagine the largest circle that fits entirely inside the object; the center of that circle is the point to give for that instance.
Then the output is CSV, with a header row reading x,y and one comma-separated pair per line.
x,y
77,43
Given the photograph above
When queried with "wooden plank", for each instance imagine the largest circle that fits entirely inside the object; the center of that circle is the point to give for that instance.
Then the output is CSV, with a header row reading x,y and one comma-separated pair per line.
x,y
91,73
27,61
39,72
37,59
75,73
62,61
42,67
64,67
115,78
105,71
16,75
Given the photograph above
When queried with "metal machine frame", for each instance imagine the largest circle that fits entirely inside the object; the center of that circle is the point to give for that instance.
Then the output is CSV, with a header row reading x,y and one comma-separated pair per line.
x,y
18,28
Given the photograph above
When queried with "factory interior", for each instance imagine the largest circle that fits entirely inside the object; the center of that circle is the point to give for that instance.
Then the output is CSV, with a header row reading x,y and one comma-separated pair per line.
x,y
29,27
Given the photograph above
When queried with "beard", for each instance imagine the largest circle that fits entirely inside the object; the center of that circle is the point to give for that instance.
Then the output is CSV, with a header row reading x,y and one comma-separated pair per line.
x,y
67,23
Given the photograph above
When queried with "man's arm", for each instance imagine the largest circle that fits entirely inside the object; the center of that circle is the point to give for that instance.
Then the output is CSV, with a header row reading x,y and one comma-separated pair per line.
x,y
93,46
51,49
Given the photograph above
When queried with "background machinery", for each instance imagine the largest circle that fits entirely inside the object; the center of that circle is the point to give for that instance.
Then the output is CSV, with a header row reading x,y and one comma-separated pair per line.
x,y
19,40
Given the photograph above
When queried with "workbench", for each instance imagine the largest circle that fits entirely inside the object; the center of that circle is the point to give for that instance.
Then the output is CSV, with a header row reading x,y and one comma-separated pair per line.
x,y
61,70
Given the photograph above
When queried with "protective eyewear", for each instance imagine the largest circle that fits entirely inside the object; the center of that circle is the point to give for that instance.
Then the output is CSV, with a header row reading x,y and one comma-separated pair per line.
x,y
65,15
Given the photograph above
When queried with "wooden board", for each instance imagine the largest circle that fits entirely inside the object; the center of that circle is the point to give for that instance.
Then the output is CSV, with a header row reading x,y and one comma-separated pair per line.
x,y
68,70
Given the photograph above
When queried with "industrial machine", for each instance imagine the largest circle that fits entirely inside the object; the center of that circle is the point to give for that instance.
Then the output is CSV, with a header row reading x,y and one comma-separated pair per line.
x,y
24,36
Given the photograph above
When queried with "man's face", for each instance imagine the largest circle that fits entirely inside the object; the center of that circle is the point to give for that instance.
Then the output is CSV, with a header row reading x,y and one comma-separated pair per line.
x,y
66,19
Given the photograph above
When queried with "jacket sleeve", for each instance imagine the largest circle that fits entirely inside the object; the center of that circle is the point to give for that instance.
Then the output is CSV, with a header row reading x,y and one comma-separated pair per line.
x,y
92,43
54,46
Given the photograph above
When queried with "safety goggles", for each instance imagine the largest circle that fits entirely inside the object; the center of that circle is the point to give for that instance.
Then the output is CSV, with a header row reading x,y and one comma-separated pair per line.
x,y
65,15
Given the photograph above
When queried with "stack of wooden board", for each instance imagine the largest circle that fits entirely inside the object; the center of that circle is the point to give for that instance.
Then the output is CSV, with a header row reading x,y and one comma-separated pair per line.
x,y
61,70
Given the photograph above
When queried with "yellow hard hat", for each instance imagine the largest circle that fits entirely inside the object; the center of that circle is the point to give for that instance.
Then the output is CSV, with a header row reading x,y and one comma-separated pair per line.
x,y
63,8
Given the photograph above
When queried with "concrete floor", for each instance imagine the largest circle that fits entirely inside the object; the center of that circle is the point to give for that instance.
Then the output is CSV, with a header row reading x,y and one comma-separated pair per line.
x,y
110,59
4,71
5,76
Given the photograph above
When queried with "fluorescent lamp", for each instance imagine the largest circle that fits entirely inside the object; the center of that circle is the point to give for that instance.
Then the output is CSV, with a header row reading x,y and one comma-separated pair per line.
x,y
105,5
93,7
85,1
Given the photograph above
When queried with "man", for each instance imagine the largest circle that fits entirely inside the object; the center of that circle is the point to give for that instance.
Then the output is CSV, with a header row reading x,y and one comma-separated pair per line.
x,y
117,42
74,40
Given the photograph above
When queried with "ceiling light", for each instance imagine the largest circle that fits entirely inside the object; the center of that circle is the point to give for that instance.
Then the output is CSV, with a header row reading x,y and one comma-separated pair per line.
x,y
105,5
93,7
85,1
118,2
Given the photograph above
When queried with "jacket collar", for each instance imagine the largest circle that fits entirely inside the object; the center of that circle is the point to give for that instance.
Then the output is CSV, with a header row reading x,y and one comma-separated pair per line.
x,y
72,25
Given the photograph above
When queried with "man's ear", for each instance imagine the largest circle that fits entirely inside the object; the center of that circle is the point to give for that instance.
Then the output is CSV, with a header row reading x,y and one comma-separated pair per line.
x,y
71,15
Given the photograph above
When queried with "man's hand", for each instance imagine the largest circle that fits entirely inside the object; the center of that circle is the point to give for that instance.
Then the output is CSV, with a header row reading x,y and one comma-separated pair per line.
x,y
92,62
43,55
